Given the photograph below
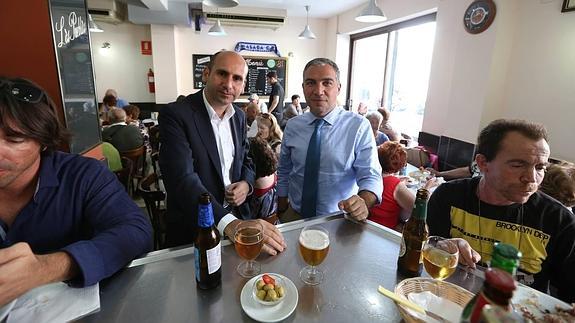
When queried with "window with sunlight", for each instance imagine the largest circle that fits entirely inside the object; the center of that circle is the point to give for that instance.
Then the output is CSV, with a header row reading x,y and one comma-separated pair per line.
x,y
390,68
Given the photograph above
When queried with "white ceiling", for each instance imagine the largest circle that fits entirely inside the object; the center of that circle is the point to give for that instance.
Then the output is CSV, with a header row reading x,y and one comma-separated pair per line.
x,y
296,8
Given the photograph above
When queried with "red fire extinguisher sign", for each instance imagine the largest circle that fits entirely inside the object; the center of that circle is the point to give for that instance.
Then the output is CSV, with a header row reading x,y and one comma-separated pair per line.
x,y
151,83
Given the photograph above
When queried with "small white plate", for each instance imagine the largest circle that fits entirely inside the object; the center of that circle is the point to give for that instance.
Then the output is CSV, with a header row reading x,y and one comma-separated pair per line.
x,y
536,301
264,313
5,310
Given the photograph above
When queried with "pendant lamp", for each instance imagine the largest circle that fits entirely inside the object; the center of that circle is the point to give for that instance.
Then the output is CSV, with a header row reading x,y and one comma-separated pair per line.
x,y
307,33
371,13
221,3
217,29
92,27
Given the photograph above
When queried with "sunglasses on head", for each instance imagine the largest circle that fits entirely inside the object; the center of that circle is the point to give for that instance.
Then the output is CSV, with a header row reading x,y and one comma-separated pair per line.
x,y
22,91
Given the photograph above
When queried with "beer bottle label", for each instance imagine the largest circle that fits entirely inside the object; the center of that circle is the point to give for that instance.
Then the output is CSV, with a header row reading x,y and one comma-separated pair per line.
x,y
402,248
214,257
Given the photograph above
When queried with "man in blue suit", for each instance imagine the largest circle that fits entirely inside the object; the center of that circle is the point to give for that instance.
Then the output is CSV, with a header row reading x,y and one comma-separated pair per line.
x,y
204,149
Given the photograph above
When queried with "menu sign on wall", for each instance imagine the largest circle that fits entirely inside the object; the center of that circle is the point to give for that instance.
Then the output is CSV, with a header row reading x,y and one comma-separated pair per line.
x,y
72,44
256,80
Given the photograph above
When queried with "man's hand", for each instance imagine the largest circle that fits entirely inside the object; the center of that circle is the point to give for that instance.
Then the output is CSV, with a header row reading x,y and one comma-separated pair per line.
x,y
236,193
273,239
355,206
22,270
467,256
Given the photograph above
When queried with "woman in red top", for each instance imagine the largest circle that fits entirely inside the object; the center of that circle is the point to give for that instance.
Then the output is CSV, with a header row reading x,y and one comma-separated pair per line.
x,y
397,200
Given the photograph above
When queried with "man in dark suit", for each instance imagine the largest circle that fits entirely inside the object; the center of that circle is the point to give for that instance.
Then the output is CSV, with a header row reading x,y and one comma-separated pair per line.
x,y
204,149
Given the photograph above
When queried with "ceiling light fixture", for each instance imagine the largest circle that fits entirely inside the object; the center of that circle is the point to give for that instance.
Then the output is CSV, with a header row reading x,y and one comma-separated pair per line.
x,y
307,33
217,29
221,3
92,27
371,13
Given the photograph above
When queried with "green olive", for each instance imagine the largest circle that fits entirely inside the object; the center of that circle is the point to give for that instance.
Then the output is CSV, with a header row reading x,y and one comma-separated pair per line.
x,y
268,287
271,296
260,284
280,291
261,294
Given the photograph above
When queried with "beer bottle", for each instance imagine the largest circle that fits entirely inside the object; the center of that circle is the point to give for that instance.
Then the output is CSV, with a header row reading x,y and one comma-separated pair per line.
x,y
497,290
415,232
505,257
207,247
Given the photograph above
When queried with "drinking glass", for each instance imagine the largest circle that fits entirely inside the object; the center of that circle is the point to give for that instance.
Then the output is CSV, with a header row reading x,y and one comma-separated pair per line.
x,y
313,247
249,239
440,257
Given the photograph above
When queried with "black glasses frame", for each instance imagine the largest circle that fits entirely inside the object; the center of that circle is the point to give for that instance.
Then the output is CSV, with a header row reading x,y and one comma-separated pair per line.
x,y
22,91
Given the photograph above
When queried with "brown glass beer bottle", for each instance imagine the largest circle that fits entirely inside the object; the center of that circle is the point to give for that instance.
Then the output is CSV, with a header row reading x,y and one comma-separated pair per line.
x,y
415,232
207,247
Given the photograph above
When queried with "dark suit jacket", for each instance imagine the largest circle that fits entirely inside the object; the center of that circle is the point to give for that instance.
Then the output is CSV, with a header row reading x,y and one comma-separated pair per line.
x,y
190,164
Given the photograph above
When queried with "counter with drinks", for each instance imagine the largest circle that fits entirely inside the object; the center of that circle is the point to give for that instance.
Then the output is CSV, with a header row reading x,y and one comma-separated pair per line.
x,y
162,286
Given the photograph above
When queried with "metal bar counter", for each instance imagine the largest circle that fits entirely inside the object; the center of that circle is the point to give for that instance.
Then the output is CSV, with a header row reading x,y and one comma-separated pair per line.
x,y
161,287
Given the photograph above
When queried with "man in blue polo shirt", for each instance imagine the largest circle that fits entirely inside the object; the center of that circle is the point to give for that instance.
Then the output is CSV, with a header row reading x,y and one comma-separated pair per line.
x,y
63,217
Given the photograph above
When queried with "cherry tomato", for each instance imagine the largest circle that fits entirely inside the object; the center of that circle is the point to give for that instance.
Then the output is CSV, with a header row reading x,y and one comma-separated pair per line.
x,y
268,279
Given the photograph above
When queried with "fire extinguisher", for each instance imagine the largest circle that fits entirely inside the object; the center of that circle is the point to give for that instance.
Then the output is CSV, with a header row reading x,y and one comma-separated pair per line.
x,y
151,84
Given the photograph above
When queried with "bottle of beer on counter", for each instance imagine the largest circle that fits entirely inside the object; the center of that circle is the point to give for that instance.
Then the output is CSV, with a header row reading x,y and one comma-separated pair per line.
x,y
415,232
505,257
207,247
497,290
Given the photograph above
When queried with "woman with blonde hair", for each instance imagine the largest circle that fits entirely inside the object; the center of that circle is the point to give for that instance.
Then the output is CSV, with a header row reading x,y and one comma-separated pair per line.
x,y
396,200
269,130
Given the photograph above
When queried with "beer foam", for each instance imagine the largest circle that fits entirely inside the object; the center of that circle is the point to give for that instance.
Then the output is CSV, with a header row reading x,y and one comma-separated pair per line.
x,y
314,239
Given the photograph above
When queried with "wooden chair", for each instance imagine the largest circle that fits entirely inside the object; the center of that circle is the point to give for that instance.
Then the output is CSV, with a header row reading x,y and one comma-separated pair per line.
x,y
138,158
154,199
155,159
154,135
125,174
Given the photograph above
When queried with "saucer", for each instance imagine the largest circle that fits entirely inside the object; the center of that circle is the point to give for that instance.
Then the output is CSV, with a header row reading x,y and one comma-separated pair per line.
x,y
264,313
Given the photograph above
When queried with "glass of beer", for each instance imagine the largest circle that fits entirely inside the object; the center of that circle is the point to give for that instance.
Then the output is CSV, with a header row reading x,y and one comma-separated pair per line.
x,y
313,247
249,239
440,257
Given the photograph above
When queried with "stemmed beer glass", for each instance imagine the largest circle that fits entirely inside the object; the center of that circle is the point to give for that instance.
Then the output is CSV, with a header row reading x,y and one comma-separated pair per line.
x,y
249,239
313,247
440,257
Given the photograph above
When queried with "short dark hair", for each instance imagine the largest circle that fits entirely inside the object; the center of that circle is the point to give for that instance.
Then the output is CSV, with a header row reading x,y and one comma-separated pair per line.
x,y
295,96
272,74
36,121
489,140
559,183
110,100
265,159
132,110
320,61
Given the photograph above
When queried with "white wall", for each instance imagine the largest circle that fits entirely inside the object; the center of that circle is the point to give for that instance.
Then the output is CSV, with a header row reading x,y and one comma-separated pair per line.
x,y
124,68
522,67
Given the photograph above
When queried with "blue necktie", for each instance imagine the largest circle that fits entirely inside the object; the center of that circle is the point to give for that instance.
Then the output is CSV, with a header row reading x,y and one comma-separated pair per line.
x,y
310,181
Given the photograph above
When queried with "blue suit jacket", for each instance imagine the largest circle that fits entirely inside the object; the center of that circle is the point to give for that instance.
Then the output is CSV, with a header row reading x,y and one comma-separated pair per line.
x,y
191,165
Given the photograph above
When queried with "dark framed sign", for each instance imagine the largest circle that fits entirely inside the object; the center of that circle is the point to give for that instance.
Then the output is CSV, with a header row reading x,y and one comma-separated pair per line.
x,y
568,5
258,67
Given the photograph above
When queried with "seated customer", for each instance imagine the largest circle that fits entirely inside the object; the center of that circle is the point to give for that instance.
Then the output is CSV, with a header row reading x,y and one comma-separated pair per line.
x,y
504,205
397,200
375,120
386,127
559,183
64,217
293,110
108,103
269,130
132,115
263,202
119,134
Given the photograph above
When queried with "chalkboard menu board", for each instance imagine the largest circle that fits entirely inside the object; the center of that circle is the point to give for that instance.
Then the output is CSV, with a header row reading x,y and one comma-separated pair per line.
x,y
72,44
258,67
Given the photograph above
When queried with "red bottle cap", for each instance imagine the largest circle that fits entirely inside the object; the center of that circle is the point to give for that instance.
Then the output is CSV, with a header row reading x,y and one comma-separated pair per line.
x,y
500,280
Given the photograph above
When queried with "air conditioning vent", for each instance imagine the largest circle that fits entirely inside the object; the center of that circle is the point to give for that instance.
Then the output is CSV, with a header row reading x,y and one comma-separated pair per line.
x,y
109,11
246,17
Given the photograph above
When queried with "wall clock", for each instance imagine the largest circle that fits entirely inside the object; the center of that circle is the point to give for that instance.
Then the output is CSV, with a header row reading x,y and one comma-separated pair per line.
x,y
479,16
